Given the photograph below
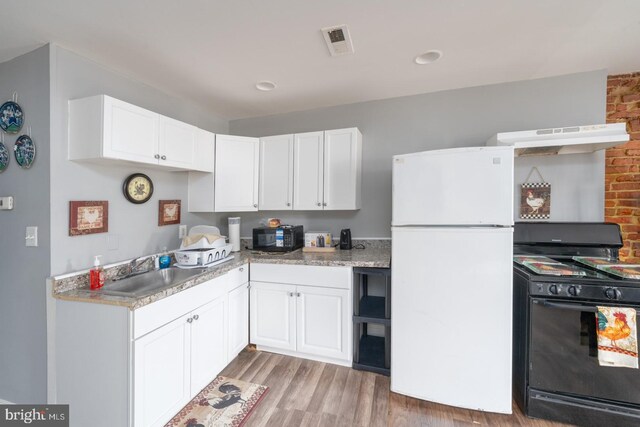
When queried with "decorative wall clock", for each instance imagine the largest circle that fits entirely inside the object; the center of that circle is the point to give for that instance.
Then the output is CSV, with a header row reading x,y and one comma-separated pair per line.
x,y
138,188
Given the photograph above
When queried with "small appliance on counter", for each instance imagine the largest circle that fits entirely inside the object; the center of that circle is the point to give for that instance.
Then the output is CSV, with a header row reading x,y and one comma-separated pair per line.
x,y
284,238
203,247
345,239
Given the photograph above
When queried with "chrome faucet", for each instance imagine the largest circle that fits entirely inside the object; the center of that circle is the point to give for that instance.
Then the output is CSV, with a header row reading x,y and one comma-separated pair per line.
x,y
133,267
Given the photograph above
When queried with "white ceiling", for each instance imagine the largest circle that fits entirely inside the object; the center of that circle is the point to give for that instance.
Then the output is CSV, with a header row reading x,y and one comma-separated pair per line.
x,y
214,51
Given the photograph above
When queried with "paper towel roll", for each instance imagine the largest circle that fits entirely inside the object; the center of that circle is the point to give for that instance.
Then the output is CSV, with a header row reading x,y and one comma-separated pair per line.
x,y
234,233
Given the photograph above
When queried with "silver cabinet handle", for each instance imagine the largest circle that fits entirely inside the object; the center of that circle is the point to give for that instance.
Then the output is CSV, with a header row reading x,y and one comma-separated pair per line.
x,y
288,204
157,156
297,294
319,204
290,294
190,319
164,157
241,268
196,317
255,205
324,204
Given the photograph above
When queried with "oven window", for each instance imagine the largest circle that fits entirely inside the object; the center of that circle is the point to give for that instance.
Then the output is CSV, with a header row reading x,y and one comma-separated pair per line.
x,y
564,356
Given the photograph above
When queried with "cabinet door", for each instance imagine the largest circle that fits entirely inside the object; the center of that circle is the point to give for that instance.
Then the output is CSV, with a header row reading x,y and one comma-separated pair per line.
x,y
236,173
238,320
130,132
276,173
323,317
273,319
161,373
205,151
208,343
308,171
342,163
177,143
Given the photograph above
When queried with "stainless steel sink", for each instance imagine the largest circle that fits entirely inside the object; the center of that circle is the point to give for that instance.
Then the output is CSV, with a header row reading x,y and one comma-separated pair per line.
x,y
148,283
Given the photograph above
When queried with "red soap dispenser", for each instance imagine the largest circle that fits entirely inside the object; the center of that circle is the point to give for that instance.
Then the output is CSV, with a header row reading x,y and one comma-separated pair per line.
x,y
96,274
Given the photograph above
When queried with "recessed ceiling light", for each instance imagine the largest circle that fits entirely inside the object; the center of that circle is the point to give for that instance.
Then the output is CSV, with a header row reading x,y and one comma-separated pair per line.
x,y
265,85
428,57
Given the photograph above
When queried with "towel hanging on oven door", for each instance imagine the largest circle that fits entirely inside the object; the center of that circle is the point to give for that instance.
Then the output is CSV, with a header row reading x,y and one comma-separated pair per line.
x,y
617,337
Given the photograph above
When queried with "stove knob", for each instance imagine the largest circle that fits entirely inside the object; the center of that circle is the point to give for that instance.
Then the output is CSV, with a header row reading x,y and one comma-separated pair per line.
x,y
553,289
573,291
611,293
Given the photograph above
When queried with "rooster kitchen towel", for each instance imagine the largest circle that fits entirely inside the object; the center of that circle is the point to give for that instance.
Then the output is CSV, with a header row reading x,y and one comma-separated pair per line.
x,y
535,198
617,337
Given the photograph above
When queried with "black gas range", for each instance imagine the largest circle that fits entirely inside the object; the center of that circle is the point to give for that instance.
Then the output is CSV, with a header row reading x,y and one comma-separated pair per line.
x,y
556,373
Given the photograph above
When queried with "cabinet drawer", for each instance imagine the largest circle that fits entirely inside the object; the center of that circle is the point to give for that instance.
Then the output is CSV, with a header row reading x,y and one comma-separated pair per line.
x,y
309,275
238,276
154,315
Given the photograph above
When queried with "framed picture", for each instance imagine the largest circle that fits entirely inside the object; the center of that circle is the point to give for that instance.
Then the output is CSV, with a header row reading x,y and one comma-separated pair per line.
x,y
88,217
535,200
169,212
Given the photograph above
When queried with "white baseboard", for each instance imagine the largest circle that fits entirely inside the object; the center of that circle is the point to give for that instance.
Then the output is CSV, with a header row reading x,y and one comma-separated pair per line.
x,y
5,402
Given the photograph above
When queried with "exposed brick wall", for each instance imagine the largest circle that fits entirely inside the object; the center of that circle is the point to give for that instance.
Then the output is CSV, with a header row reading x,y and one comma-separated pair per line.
x,y
622,173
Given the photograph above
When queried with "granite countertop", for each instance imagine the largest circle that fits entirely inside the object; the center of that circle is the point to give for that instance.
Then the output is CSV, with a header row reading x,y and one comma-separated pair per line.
x,y
74,287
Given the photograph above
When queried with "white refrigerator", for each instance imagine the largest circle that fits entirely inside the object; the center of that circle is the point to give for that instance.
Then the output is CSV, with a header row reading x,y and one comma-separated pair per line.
x,y
451,296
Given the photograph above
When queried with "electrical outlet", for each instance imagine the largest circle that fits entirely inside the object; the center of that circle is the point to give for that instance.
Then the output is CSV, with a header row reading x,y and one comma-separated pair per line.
x,y
31,236
182,231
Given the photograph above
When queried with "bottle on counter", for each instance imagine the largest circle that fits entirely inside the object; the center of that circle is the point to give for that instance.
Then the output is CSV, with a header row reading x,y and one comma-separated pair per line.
x,y
96,274
165,259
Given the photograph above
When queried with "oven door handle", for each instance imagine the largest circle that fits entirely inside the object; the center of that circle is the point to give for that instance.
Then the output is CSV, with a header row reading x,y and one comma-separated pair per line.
x,y
574,307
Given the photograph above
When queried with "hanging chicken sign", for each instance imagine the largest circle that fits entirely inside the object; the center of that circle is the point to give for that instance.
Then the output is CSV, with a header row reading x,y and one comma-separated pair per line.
x,y
535,199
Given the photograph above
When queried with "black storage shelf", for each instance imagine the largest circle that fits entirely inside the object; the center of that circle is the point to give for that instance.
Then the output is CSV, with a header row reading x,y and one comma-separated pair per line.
x,y
372,307
371,353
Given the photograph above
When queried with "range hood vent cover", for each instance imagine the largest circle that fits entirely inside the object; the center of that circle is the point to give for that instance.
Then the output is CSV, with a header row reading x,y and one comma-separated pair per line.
x,y
338,40
567,140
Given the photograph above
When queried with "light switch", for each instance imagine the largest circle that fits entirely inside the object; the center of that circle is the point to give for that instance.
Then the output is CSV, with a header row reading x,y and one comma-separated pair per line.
x,y
6,203
182,231
31,236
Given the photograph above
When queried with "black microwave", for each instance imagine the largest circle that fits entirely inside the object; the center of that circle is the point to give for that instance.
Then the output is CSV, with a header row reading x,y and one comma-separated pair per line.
x,y
278,239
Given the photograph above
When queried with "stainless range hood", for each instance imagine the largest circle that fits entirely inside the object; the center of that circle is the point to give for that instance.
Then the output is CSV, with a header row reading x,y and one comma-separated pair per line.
x,y
567,140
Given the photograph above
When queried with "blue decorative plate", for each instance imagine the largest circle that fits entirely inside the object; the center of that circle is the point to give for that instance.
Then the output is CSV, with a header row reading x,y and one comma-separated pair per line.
x,y
4,157
25,151
11,117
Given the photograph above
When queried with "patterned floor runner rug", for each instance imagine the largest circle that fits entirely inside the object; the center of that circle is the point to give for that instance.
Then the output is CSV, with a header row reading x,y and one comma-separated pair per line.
x,y
225,402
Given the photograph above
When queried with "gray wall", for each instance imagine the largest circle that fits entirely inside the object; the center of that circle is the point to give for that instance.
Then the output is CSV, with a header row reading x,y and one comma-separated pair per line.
x,y
24,270
455,118
134,227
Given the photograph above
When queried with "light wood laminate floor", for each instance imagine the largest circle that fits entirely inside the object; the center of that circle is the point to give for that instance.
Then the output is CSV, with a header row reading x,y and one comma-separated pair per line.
x,y
307,393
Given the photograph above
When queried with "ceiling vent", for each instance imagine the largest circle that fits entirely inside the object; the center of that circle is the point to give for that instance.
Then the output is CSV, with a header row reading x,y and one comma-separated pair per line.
x,y
338,40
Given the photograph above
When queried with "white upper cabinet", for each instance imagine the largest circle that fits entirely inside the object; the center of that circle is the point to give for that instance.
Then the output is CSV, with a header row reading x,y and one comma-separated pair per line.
x,y
177,143
236,173
102,127
205,151
342,169
308,171
276,173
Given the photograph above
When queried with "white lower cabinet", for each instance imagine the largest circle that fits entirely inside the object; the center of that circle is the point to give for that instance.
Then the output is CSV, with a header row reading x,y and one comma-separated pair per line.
x,y
147,363
208,343
322,319
301,318
273,315
174,362
161,373
238,320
